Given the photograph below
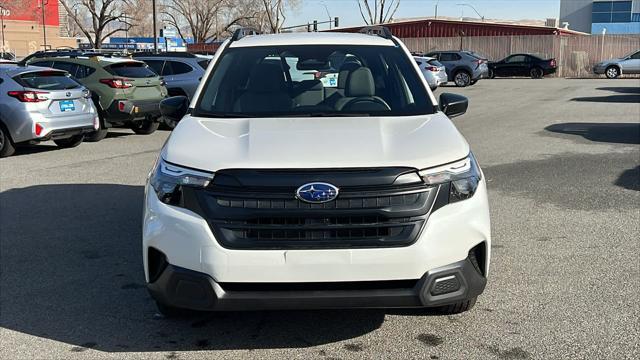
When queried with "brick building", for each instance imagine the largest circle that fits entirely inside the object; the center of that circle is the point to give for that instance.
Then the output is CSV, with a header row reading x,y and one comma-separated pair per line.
x,y
23,27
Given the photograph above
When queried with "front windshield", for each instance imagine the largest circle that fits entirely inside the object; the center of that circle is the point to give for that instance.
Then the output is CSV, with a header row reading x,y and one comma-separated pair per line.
x,y
304,80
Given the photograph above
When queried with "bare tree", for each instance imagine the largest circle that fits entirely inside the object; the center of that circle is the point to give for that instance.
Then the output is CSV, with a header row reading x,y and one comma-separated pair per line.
x,y
206,20
97,19
378,11
273,13
139,15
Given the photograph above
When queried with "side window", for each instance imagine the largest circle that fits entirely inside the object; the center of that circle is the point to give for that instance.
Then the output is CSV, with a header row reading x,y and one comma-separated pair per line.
x,y
42,63
449,57
636,56
84,71
68,67
433,55
516,59
176,68
418,62
156,65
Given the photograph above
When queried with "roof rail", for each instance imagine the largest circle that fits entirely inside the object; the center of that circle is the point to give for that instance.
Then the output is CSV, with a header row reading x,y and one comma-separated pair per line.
x,y
71,53
377,30
182,54
242,32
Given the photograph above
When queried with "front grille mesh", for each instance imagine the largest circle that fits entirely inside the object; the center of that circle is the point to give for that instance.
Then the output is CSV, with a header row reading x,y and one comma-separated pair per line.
x,y
272,218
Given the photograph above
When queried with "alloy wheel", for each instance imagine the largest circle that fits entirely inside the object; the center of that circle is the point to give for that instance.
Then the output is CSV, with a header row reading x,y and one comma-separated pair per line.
x,y
462,79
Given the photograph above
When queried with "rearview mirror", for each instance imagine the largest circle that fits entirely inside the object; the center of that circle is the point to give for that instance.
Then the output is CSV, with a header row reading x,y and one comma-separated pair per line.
x,y
453,105
174,108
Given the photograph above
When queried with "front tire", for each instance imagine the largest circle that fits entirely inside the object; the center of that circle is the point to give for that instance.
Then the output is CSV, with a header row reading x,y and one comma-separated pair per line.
x,y
145,127
492,74
70,142
462,78
458,307
612,72
7,147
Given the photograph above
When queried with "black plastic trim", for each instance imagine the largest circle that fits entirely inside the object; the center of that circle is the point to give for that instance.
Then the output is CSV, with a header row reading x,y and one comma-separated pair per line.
x,y
183,288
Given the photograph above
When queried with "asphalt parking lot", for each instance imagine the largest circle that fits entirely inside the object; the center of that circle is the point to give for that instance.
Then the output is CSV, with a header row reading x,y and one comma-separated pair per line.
x,y
562,160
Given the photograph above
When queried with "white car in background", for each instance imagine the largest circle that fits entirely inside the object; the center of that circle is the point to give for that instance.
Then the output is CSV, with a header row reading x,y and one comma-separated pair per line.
x,y
434,72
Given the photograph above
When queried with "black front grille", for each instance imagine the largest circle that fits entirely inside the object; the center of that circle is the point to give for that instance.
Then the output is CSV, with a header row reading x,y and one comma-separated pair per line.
x,y
270,217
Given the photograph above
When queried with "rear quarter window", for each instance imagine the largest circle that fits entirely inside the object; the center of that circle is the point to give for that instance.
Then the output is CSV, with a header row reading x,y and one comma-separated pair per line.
x,y
176,68
204,63
131,70
46,80
84,71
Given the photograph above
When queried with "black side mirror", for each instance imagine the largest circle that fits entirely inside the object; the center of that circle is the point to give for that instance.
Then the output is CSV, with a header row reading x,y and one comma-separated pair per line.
x,y
453,105
174,108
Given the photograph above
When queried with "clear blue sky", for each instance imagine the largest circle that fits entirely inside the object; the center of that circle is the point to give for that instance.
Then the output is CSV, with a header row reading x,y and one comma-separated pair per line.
x,y
349,14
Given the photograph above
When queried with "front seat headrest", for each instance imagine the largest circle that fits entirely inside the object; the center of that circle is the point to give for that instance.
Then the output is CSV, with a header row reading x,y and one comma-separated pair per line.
x,y
360,83
345,70
266,77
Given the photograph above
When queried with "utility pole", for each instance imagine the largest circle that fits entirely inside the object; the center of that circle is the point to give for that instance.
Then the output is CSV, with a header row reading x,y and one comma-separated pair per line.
x,y
155,38
2,10
436,13
44,26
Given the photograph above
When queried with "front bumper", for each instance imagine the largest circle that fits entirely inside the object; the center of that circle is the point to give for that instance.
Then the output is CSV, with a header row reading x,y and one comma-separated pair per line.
x,y
193,253
599,70
183,288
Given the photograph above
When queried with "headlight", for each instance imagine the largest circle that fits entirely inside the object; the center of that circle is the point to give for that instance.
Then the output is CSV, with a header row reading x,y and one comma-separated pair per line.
x,y
463,176
168,179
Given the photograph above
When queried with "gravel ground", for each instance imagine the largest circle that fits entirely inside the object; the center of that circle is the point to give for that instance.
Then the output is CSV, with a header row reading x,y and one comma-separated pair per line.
x,y
562,159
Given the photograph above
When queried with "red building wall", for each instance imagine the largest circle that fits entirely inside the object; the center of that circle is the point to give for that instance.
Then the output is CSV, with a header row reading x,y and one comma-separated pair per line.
x,y
31,10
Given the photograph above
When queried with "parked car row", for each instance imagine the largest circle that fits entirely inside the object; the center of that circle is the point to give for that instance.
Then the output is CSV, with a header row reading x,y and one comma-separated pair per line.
x,y
465,68
70,96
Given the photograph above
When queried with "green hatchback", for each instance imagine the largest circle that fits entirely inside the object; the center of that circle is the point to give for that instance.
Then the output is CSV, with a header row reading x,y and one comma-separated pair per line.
x,y
126,92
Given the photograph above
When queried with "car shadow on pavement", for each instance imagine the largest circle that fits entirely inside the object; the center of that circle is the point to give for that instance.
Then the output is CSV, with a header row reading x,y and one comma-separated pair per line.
x,y
71,265
629,98
34,149
621,89
630,179
621,133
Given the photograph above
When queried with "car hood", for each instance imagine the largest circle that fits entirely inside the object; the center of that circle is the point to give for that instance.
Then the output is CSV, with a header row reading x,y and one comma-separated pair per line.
x,y
315,142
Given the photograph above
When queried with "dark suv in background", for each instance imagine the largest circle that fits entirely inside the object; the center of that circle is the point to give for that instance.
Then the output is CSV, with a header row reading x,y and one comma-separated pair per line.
x,y
464,68
180,70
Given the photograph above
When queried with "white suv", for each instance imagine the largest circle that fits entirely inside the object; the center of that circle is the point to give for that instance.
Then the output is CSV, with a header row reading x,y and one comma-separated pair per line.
x,y
281,194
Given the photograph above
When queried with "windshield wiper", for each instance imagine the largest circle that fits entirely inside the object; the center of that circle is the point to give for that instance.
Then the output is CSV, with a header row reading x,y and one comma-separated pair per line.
x,y
326,114
223,115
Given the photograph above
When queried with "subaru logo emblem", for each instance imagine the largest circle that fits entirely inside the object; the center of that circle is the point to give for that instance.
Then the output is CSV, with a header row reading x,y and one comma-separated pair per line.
x,y
317,192
68,94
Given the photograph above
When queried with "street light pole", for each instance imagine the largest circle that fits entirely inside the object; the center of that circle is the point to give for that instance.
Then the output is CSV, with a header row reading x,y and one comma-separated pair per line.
x,y
2,10
474,9
44,25
155,37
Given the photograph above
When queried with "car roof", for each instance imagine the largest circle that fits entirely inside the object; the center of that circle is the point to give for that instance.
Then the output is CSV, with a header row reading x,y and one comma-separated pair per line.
x,y
311,38
12,70
425,58
102,60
